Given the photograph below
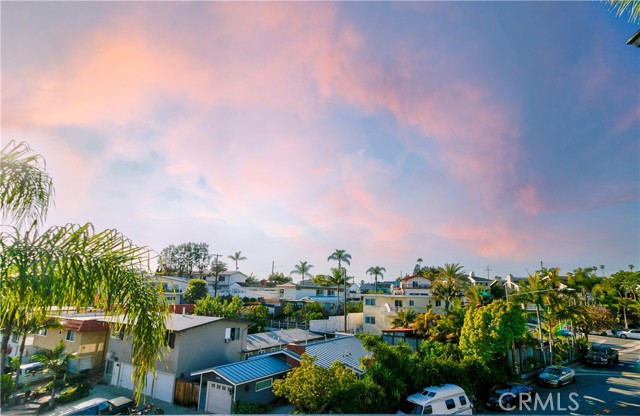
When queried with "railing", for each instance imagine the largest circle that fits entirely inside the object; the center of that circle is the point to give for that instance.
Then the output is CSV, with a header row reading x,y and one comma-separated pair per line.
x,y
288,325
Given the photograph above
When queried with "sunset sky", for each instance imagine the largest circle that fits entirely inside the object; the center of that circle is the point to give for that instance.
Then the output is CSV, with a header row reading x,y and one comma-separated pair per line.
x,y
496,134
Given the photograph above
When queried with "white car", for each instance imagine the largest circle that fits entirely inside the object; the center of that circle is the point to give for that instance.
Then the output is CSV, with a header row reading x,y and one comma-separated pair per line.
x,y
630,333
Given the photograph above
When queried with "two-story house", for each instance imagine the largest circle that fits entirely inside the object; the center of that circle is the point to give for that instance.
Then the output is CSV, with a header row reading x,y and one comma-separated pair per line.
x,y
84,334
225,280
195,342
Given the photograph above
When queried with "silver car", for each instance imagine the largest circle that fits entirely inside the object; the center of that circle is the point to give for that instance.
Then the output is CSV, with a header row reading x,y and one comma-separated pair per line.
x,y
630,333
556,376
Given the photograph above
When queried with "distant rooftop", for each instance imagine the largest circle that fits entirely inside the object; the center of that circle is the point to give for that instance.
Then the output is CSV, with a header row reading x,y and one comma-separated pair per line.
x,y
271,339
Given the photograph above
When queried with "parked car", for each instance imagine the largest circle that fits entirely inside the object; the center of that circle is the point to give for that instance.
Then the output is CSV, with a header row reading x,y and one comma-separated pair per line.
x,y
31,372
100,406
556,376
508,396
630,333
601,355
445,399
603,332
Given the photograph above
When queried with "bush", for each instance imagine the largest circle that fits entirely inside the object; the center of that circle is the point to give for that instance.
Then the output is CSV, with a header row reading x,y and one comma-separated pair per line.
x,y
72,394
247,408
7,388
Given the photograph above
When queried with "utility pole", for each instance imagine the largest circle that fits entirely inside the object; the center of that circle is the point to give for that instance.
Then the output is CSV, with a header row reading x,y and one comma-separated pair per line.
x,y
488,269
217,272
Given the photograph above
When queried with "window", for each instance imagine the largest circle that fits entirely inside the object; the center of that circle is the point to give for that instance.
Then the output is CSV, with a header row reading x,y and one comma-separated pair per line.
x,y
463,400
369,301
43,332
264,384
231,334
71,336
427,410
450,404
171,339
221,279
370,320
15,338
319,292
398,303
411,303
331,292
438,303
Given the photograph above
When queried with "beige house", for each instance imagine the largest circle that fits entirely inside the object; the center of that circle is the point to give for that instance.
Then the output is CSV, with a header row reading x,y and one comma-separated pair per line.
x,y
85,335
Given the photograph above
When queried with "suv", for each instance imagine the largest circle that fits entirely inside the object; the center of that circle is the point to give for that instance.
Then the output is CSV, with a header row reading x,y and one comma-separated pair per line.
x,y
599,355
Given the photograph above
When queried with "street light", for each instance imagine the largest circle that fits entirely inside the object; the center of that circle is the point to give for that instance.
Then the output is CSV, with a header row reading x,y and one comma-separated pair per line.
x,y
634,40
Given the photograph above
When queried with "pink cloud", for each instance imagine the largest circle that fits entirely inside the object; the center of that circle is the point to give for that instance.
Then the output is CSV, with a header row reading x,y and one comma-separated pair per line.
x,y
528,200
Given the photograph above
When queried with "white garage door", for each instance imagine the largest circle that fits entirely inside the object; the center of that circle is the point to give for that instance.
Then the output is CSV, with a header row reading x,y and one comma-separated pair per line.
x,y
219,398
161,388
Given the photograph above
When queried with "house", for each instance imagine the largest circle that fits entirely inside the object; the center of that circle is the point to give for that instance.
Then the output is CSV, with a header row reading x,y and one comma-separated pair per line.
x,y
13,347
172,287
84,334
413,286
380,310
264,342
225,280
195,342
252,380
244,290
248,381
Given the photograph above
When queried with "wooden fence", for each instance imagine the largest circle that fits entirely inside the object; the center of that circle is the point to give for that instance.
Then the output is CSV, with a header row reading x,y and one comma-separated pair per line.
x,y
186,393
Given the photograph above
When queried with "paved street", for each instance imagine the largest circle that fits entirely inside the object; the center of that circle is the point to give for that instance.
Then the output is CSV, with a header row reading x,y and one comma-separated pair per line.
x,y
597,391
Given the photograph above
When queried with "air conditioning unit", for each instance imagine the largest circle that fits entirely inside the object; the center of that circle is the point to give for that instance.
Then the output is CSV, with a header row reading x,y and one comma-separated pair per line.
x,y
227,340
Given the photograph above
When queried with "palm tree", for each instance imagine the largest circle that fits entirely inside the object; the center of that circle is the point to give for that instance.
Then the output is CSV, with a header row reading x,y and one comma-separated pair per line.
x,y
237,257
425,322
302,269
33,325
451,271
477,295
55,362
532,293
620,6
376,271
602,269
342,256
71,265
404,318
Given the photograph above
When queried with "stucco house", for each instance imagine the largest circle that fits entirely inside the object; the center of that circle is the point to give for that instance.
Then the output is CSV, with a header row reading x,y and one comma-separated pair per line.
x,y
84,334
225,280
195,342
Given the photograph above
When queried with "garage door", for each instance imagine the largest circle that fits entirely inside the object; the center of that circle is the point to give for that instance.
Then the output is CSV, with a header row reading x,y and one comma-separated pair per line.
x,y
219,397
161,388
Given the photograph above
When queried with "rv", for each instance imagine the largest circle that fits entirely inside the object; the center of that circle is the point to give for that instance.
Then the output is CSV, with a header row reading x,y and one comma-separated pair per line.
x,y
31,372
445,399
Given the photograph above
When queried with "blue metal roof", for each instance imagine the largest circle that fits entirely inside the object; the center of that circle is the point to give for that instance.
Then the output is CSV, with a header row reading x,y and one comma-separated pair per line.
x,y
252,369
348,350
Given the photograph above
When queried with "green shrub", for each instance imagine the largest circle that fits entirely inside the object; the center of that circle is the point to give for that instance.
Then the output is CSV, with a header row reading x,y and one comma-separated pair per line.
x,y
74,393
7,387
246,408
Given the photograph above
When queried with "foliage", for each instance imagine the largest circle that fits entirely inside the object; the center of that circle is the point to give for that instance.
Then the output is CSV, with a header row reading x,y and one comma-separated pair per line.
x,y
259,315
74,393
7,388
247,408
355,307
302,269
582,346
279,278
310,311
215,306
185,259
236,257
71,265
313,389
376,271
593,318
425,323
490,330
622,6
449,326
26,189
196,290
55,362
404,318
440,350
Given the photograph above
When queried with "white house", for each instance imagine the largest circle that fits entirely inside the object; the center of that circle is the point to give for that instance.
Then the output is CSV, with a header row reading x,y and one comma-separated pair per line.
x,y
225,281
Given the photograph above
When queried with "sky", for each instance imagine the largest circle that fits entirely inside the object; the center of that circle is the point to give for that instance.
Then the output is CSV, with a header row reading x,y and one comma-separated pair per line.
x,y
496,135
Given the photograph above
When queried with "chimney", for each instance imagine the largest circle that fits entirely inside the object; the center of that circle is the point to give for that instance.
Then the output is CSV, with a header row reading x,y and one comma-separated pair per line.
x,y
298,349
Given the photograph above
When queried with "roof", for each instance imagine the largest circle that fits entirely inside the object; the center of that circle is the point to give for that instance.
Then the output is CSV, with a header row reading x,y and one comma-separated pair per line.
x,y
176,322
266,340
252,369
347,349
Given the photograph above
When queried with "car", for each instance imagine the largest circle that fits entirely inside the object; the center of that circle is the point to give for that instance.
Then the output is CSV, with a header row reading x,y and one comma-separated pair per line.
x,y
100,406
603,332
556,376
630,333
601,355
509,396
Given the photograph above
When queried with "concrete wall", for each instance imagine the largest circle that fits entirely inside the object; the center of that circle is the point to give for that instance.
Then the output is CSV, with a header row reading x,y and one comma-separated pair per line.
x,y
336,323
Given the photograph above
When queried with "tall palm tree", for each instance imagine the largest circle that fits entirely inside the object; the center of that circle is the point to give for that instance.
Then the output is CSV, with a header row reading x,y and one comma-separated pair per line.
x,y
55,361
477,295
533,292
71,265
451,271
342,256
404,318
621,6
237,257
302,269
376,271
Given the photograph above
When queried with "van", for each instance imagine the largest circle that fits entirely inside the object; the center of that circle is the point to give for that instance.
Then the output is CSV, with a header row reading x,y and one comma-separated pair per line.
x,y
445,399
31,372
